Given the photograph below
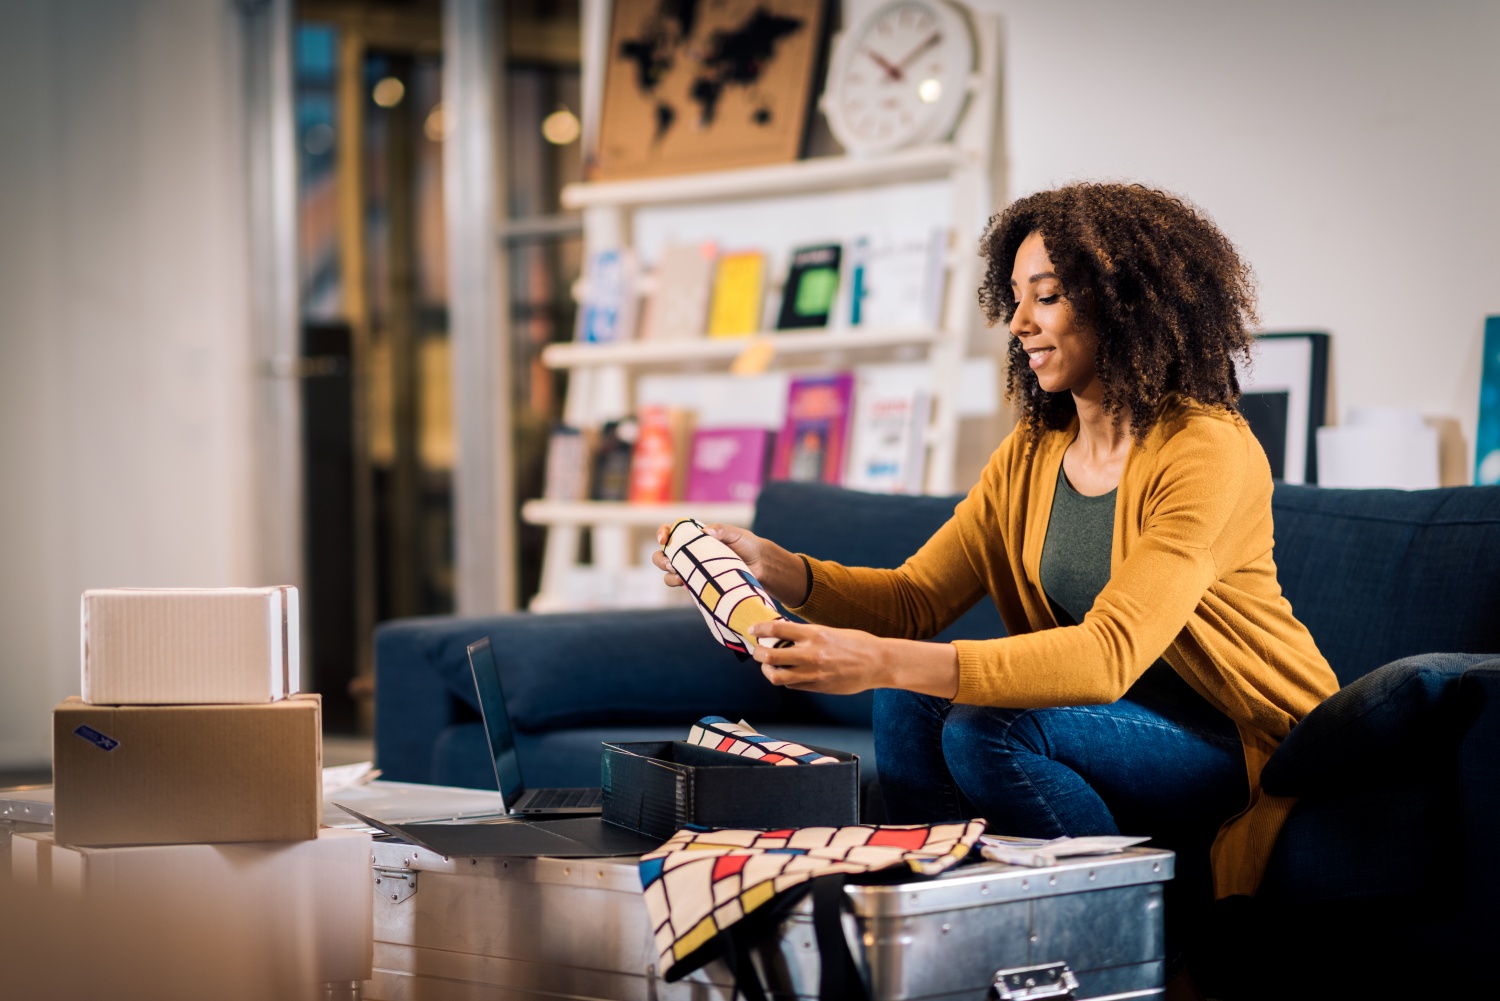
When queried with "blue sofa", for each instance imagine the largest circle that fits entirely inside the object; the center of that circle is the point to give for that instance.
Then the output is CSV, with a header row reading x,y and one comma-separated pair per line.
x,y
1394,843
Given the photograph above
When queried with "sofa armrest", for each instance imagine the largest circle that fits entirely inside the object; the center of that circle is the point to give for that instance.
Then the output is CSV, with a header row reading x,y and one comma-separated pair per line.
x,y
414,702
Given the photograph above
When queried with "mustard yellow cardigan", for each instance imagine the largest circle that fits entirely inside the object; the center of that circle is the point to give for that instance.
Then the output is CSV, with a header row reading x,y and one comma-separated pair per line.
x,y
1192,579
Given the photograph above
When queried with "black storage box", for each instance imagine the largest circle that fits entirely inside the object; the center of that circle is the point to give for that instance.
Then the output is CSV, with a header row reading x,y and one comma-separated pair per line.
x,y
659,787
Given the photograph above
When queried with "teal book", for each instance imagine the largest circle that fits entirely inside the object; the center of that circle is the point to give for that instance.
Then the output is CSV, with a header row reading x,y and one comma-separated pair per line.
x,y
1487,440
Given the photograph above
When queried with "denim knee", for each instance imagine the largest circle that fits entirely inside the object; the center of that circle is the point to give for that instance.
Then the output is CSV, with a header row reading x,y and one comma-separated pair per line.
x,y
971,732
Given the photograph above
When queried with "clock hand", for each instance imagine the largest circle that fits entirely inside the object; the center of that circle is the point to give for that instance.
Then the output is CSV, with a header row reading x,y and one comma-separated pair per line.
x,y
932,40
891,70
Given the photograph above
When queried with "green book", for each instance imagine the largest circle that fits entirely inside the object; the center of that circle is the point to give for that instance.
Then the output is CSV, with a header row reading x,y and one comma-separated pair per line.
x,y
812,285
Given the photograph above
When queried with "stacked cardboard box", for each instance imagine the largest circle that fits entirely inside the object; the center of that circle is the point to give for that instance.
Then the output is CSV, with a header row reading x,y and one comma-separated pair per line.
x,y
186,805
191,729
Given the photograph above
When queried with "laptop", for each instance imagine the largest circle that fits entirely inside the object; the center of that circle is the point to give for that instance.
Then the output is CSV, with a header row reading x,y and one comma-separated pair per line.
x,y
516,798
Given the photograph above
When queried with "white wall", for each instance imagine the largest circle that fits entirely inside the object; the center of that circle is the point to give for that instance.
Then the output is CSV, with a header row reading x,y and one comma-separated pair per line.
x,y
1349,148
125,370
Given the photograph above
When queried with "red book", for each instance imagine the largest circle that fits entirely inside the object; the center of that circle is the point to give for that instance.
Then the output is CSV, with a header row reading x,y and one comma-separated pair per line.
x,y
815,436
657,468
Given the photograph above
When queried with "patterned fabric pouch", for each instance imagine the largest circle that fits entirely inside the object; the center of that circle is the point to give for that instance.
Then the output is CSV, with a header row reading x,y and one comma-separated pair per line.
x,y
744,740
712,893
729,597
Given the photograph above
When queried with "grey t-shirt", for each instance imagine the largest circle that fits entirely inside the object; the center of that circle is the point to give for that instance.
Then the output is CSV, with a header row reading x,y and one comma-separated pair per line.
x,y
1075,568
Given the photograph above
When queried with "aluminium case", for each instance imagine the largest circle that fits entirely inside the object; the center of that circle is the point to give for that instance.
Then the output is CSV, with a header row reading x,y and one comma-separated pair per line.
x,y
495,928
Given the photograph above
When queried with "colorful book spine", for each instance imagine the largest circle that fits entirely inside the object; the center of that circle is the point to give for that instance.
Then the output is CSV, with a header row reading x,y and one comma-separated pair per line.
x,y
738,289
607,313
888,451
812,285
727,464
814,438
677,307
657,461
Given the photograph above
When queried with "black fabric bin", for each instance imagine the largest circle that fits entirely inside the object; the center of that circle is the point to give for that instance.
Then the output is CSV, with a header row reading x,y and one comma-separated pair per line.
x,y
660,787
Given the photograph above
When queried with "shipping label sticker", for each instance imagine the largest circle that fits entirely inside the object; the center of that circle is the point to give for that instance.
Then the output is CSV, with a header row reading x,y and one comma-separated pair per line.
x,y
99,740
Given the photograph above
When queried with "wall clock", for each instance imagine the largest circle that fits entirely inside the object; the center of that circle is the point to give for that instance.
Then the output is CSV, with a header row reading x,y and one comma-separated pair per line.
x,y
899,76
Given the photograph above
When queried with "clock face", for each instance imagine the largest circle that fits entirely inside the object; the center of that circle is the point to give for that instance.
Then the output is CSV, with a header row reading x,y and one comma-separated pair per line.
x,y
900,76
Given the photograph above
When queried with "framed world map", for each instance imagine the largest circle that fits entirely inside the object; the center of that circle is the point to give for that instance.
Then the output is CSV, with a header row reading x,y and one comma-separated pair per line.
x,y
695,85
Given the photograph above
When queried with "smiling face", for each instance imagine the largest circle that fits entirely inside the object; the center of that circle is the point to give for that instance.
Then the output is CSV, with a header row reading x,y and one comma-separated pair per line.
x,y
1060,345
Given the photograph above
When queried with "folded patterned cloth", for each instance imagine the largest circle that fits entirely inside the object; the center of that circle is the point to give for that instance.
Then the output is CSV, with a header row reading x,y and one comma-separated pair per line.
x,y
729,597
701,884
741,738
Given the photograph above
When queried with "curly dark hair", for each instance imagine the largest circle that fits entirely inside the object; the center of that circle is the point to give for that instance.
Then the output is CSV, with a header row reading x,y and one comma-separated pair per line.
x,y
1165,291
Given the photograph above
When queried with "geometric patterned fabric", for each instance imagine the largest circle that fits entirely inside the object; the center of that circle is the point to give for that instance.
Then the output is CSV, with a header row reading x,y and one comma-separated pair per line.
x,y
702,882
741,738
729,597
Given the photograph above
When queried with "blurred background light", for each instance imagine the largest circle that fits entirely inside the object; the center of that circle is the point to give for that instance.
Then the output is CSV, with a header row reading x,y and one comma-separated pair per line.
x,y
389,92
437,126
561,127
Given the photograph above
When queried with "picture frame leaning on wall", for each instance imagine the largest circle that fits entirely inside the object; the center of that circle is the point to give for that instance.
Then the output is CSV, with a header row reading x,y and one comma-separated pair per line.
x,y
1284,397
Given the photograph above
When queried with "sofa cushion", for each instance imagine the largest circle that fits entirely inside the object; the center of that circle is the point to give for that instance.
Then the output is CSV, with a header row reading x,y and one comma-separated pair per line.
x,y
639,667
1366,843
1377,575
1392,721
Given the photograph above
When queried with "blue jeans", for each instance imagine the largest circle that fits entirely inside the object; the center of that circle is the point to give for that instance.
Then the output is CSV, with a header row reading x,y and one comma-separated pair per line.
x,y
1168,767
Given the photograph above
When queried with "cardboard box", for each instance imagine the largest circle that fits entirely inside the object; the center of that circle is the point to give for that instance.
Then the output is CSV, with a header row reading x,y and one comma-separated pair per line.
x,y
159,775
248,920
659,787
148,646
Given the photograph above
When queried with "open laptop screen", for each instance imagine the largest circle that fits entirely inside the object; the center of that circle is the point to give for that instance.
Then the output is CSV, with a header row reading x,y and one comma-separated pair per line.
x,y
496,722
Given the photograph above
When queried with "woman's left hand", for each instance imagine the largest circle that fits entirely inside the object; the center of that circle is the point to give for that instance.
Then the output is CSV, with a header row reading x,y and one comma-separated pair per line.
x,y
821,659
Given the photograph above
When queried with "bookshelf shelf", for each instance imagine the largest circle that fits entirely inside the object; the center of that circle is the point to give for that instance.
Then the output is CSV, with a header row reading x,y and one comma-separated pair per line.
x,y
725,348
802,176
577,513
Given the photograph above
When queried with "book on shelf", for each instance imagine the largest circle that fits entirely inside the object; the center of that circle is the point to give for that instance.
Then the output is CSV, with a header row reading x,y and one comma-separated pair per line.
x,y
567,472
887,450
728,464
677,307
812,442
608,311
812,285
611,460
658,463
896,281
739,282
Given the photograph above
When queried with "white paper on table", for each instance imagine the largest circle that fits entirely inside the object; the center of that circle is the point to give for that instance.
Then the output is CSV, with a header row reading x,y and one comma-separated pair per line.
x,y
337,778
1034,852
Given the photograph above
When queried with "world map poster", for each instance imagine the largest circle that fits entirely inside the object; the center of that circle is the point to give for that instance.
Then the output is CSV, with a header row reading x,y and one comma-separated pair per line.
x,y
697,85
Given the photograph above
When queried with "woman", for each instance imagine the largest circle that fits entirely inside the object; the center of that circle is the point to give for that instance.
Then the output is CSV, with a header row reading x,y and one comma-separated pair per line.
x,y
1123,530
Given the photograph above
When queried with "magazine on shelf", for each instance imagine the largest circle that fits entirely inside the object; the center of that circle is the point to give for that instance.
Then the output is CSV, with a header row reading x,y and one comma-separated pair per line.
x,y
812,285
887,451
607,312
728,464
677,307
897,279
739,282
567,473
658,463
814,438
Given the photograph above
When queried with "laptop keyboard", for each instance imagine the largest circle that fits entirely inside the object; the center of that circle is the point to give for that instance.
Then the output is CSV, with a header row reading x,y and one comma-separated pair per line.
x,y
559,799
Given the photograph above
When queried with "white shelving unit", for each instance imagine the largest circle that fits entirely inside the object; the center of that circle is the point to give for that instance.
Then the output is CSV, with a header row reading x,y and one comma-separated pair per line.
x,y
602,376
